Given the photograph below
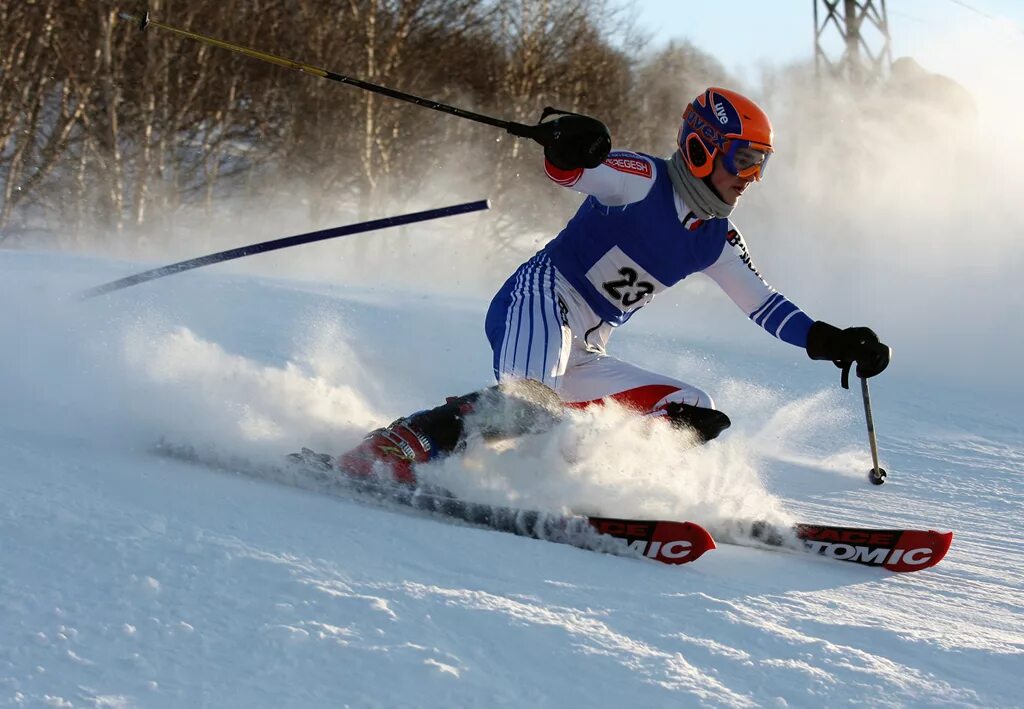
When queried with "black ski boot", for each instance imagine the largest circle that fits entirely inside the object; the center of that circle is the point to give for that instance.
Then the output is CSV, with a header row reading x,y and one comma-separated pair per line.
x,y
706,423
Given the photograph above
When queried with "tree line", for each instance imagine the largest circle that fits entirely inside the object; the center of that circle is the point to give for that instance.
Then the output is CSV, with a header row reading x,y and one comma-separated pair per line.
x,y
104,126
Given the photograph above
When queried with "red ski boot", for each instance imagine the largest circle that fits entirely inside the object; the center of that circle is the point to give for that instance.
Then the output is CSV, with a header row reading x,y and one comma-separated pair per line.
x,y
396,449
426,435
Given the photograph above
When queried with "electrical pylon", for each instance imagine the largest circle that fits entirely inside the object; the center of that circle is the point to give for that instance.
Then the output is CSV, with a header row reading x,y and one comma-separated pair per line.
x,y
861,30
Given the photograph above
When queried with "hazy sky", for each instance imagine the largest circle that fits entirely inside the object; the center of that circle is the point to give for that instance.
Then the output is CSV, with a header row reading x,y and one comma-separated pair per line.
x,y
781,31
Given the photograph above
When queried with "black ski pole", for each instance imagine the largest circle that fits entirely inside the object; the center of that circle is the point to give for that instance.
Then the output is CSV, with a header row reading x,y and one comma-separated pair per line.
x,y
518,129
283,243
877,474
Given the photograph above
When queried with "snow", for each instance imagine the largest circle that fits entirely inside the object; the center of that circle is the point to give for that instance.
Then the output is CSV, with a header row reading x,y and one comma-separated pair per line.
x,y
130,579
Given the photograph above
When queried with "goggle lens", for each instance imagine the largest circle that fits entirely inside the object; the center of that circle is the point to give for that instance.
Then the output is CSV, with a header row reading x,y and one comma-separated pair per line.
x,y
748,161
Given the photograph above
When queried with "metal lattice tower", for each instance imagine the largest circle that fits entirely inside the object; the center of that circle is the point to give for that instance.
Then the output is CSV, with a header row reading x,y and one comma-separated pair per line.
x,y
863,34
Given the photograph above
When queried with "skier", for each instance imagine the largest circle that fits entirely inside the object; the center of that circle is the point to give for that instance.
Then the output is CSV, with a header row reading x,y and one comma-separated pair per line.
x,y
646,224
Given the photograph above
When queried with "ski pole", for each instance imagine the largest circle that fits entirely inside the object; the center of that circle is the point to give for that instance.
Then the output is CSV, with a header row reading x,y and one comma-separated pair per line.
x,y
877,474
283,243
518,129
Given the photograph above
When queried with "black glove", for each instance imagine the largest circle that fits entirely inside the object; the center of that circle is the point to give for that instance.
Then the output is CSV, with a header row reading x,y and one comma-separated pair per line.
x,y
572,141
844,347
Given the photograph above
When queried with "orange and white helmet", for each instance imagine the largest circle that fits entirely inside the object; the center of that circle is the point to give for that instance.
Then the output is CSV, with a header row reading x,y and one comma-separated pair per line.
x,y
724,123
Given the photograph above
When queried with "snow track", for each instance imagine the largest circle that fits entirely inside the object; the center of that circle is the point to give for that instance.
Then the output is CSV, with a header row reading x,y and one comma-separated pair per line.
x,y
130,580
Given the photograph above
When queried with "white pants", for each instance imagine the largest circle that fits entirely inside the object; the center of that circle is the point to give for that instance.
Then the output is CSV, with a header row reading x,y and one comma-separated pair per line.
x,y
540,328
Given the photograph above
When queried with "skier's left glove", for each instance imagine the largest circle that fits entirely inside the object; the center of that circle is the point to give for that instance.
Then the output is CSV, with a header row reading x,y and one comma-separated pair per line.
x,y
844,347
572,141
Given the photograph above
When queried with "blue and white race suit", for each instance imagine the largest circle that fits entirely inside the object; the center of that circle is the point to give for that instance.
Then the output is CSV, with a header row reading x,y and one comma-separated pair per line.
x,y
632,238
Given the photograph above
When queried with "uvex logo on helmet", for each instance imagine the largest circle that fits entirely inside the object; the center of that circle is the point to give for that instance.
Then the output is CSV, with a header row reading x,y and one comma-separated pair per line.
x,y
721,122
726,114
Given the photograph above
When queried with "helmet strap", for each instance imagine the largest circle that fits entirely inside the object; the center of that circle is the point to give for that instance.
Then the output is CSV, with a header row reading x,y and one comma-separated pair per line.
x,y
697,193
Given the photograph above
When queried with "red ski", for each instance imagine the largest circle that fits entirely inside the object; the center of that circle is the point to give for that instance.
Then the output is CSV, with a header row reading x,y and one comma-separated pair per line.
x,y
664,541
667,542
893,549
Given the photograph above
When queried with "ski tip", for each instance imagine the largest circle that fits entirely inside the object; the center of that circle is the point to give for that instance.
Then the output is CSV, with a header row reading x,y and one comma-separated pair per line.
x,y
919,550
947,542
697,539
703,536
662,540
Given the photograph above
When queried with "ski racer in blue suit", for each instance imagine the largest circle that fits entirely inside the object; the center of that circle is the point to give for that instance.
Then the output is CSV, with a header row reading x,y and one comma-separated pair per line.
x,y
646,224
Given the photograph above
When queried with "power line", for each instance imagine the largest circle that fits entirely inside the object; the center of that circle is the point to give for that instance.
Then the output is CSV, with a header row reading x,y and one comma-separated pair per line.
x,y
915,18
961,3
1001,20
1015,33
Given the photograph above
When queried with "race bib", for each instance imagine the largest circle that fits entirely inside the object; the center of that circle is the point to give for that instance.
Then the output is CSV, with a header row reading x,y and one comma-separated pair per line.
x,y
622,281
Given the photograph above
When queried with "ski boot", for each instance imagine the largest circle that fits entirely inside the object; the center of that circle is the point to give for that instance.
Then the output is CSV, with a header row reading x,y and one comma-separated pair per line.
x,y
707,424
395,449
502,411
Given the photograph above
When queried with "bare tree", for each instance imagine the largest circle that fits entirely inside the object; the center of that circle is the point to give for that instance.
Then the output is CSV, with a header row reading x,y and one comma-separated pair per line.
x,y
41,101
101,124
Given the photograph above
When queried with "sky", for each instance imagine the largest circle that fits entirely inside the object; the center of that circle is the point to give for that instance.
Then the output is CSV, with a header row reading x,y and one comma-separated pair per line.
x,y
782,31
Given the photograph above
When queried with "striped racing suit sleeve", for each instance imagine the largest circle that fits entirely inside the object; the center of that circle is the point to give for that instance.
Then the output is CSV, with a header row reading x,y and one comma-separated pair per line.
x,y
736,274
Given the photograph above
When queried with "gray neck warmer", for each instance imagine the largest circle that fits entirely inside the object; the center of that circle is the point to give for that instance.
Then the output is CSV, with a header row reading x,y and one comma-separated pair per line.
x,y
698,196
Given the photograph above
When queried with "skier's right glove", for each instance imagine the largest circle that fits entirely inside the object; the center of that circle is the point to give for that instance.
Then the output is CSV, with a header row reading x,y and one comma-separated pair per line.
x,y
844,347
572,141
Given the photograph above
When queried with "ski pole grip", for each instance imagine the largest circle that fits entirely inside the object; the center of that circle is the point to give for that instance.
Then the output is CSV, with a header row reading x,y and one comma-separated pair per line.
x,y
521,130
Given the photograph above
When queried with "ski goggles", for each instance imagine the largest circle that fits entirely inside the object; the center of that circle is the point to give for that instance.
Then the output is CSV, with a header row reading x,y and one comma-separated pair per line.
x,y
745,159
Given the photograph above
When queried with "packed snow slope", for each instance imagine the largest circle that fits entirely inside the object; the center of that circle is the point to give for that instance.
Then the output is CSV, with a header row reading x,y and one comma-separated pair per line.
x,y
131,579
